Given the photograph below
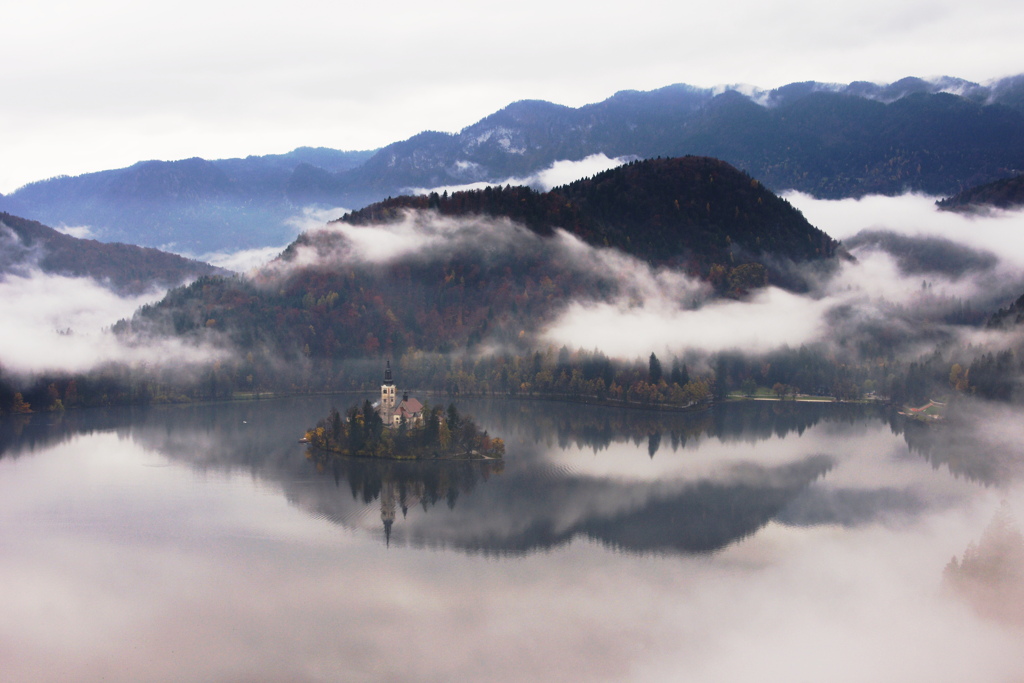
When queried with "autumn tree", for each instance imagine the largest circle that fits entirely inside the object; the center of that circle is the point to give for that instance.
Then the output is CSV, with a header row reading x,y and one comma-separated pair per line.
x,y
19,407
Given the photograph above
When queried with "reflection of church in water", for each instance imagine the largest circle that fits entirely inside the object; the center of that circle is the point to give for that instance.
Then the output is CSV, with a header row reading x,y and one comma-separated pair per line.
x,y
410,409
394,495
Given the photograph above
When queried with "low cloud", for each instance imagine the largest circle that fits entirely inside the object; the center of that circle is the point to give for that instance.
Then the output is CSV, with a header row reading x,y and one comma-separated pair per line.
x,y
313,217
82,232
916,215
58,323
559,173
246,260
424,236
242,261
916,271
770,319
906,291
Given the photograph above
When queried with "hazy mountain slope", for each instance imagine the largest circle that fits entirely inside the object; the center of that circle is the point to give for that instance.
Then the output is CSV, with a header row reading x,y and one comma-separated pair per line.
x,y
397,275
192,205
126,268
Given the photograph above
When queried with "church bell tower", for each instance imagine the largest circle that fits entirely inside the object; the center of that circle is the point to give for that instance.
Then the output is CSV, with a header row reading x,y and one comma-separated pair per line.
x,y
387,395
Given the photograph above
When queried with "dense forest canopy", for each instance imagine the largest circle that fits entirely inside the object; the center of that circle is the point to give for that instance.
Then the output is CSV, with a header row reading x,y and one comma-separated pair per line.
x,y
486,279
688,209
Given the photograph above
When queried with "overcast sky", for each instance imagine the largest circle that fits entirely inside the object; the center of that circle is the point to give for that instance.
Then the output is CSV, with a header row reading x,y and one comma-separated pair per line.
x,y
93,85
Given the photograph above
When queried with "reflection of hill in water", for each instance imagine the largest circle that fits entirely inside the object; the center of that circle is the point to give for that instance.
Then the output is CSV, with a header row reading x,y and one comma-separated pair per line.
x,y
978,441
531,505
687,517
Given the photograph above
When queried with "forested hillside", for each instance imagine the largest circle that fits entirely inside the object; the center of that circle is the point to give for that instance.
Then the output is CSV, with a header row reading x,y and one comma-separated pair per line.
x,y
692,210
501,283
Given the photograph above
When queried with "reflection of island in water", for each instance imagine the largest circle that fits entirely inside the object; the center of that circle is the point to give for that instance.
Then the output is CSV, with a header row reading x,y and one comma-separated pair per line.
x,y
400,485
538,508
535,503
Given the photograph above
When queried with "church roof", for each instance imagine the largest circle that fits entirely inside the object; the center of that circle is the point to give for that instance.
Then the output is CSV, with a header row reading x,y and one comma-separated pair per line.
x,y
387,375
410,406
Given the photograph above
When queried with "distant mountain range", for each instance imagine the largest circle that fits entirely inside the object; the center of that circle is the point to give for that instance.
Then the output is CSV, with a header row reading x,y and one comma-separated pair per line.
x,y
27,245
832,141
193,205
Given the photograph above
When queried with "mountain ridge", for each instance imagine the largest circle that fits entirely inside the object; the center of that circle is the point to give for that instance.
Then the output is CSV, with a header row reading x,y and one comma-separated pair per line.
x,y
827,140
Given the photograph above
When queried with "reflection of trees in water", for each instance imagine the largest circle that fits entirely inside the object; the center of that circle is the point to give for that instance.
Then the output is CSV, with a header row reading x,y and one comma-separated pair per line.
x,y
26,433
531,506
597,427
965,444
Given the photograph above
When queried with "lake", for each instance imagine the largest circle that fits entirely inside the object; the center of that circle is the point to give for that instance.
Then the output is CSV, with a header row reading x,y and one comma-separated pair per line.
x,y
754,541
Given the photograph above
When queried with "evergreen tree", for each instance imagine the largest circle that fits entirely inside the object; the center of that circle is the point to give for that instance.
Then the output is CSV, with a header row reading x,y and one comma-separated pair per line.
x,y
654,369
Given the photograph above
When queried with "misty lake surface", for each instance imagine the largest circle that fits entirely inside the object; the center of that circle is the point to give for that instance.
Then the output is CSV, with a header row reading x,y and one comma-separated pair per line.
x,y
754,541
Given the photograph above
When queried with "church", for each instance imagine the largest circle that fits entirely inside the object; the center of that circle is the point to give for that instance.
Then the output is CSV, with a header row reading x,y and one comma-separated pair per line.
x,y
409,408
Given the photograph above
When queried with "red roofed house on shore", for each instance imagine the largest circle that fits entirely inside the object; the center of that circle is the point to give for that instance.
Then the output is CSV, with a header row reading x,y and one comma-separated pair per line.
x,y
409,408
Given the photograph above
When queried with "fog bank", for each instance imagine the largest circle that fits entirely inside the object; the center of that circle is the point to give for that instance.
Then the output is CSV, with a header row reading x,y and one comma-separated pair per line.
x,y
58,323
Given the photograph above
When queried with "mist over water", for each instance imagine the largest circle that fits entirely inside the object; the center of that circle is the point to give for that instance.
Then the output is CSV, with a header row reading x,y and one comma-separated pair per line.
x,y
757,540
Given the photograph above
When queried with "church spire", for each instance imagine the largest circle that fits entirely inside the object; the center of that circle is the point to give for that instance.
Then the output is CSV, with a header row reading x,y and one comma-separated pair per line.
x,y
387,375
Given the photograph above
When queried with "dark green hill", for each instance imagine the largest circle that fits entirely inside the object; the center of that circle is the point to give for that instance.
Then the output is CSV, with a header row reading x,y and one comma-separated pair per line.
x,y
692,210
1001,194
126,268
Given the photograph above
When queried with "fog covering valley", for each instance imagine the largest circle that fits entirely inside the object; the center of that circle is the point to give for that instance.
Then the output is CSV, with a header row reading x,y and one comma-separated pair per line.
x,y
706,323
770,525
919,281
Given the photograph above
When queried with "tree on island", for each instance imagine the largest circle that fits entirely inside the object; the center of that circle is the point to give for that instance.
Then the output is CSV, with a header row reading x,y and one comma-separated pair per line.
x,y
362,433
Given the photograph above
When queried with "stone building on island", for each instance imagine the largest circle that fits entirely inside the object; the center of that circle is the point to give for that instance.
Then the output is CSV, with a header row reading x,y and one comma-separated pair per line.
x,y
390,412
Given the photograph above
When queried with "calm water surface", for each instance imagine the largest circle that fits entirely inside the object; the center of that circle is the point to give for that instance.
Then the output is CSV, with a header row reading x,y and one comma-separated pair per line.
x,y
755,541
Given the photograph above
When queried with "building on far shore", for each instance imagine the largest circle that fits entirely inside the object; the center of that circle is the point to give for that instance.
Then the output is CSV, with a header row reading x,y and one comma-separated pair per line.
x,y
390,412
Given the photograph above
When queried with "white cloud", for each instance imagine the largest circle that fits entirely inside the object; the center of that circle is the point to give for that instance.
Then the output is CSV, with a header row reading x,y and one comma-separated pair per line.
x,y
916,214
242,261
313,217
772,318
559,173
82,232
52,322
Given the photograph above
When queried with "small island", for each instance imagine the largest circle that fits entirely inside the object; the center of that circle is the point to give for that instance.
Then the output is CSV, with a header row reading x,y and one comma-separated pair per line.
x,y
441,434
408,430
